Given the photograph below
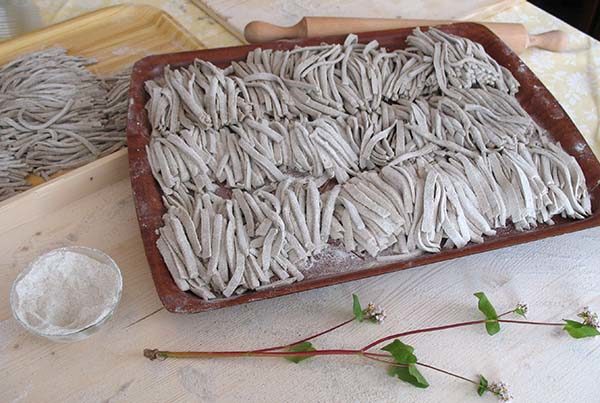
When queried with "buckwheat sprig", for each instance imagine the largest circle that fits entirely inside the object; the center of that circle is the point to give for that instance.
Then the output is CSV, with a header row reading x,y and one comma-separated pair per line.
x,y
398,356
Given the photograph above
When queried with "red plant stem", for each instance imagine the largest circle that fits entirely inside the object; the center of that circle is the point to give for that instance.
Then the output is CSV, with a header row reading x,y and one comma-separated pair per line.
x,y
505,313
451,326
443,371
424,330
375,354
154,354
374,357
314,336
529,322
270,352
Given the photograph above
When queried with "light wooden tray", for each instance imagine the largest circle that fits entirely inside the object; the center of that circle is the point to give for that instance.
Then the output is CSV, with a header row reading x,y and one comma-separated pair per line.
x,y
116,37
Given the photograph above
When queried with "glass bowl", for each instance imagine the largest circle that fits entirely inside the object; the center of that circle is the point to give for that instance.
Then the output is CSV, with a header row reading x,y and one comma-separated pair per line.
x,y
85,330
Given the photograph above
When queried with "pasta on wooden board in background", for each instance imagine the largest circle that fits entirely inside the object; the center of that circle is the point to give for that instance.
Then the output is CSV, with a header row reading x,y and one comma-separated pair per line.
x,y
265,164
56,115
12,175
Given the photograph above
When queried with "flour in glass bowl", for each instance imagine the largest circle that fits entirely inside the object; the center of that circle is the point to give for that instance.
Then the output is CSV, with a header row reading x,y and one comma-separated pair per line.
x,y
65,291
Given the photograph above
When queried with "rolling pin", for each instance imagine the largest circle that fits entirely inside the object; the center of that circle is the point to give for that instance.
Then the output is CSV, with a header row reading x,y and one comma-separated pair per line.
x,y
514,35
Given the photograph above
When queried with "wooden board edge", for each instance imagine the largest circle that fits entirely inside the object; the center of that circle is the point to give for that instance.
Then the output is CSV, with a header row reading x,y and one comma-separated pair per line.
x,y
65,189
182,30
222,21
14,44
21,43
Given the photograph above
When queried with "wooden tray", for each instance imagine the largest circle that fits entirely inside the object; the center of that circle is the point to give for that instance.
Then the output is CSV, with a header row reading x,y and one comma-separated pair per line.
x,y
533,96
116,37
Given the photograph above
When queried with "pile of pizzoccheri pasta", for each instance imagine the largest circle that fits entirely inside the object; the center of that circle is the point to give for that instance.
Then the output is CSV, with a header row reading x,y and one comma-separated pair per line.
x,y
56,115
268,162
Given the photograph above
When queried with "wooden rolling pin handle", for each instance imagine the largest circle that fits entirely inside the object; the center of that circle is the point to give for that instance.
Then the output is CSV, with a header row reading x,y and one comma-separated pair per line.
x,y
555,41
515,35
260,31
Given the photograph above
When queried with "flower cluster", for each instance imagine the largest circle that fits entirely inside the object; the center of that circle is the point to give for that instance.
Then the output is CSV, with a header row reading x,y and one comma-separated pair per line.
x,y
501,390
374,312
522,309
589,318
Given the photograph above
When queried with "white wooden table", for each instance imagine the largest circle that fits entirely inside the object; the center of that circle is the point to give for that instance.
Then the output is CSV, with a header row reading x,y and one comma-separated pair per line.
x,y
556,277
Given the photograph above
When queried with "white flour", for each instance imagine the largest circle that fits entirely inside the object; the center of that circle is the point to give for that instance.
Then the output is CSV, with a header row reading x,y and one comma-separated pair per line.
x,y
65,292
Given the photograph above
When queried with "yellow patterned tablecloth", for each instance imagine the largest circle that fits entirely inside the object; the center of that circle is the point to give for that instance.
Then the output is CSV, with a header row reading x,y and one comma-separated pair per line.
x,y
573,77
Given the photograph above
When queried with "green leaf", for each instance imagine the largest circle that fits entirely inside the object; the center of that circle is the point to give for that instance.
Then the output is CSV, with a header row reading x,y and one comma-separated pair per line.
x,y
358,311
402,353
483,385
300,347
492,327
578,330
409,374
421,381
486,307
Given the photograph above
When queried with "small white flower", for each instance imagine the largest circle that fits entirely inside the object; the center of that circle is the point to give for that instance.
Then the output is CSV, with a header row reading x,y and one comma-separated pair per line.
x,y
501,391
375,312
522,308
589,318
